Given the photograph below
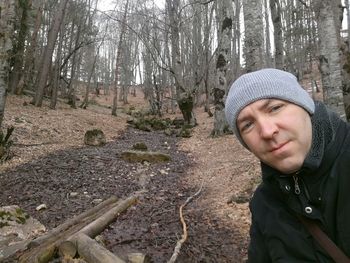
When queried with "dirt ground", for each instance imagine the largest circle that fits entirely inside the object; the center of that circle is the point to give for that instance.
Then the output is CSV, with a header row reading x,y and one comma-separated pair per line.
x,y
51,162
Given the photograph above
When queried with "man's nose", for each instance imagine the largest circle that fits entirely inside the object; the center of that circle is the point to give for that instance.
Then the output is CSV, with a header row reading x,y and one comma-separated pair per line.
x,y
268,128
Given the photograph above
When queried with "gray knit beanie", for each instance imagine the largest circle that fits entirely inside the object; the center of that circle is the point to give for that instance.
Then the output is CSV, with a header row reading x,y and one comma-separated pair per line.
x,y
264,84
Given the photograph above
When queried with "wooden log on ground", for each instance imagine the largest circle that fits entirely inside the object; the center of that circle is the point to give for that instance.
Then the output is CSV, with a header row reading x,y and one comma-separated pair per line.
x,y
40,253
75,220
97,226
68,249
91,251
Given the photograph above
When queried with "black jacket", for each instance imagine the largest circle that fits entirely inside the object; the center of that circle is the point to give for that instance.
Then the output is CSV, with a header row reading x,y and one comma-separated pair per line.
x,y
324,182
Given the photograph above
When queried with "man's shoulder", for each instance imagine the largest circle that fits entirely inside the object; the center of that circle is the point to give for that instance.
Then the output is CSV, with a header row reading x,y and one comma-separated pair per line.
x,y
262,195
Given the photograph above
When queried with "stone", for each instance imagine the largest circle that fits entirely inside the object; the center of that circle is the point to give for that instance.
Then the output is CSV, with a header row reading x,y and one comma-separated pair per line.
x,y
73,194
178,122
140,146
138,258
17,228
97,201
41,207
94,137
140,156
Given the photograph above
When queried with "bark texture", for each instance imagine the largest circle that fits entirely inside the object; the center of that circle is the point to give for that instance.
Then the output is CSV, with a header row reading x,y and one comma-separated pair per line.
x,y
254,38
7,17
329,41
277,33
220,124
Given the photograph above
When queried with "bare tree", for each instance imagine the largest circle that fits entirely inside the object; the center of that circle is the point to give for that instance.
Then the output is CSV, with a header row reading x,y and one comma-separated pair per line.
x,y
47,55
118,60
7,15
185,97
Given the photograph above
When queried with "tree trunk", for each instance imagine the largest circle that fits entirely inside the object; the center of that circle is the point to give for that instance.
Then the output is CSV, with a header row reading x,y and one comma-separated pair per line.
x,y
7,15
90,250
220,124
27,76
184,97
254,35
329,38
118,60
346,79
56,73
348,20
48,51
278,40
85,102
236,59
17,71
268,57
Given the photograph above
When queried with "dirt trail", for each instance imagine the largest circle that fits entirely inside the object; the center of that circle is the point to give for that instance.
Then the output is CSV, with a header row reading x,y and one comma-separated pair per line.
x,y
51,162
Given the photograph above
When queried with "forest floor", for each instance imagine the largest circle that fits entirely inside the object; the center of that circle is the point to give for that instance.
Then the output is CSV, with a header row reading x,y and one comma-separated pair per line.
x,y
51,162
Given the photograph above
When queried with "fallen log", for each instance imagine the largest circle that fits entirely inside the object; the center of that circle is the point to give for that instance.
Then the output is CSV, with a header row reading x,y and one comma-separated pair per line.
x,y
47,247
83,217
97,226
91,251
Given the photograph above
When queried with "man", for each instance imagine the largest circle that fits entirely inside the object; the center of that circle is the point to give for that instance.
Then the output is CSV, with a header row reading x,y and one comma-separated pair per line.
x,y
304,151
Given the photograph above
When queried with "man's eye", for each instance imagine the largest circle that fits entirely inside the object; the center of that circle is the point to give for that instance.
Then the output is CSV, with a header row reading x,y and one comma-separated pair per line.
x,y
275,107
245,126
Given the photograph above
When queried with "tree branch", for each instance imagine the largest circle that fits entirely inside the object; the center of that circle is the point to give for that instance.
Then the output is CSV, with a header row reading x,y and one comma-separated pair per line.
x,y
184,227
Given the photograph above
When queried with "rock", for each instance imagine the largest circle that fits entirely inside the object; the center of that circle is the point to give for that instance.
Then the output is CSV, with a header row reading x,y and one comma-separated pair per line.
x,y
140,146
163,172
73,194
139,156
17,228
168,132
185,132
138,258
40,207
95,137
178,122
239,198
97,201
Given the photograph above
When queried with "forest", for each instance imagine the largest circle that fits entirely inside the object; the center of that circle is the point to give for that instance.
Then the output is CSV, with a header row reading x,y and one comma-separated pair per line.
x,y
154,76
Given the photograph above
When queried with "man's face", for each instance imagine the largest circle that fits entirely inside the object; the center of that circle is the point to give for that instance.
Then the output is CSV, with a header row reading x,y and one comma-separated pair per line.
x,y
279,133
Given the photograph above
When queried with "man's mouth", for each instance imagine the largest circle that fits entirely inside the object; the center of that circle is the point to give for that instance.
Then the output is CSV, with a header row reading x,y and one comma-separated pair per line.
x,y
278,147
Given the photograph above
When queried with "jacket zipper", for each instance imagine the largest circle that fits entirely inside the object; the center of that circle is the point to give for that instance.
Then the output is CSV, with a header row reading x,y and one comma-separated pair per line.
x,y
296,185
